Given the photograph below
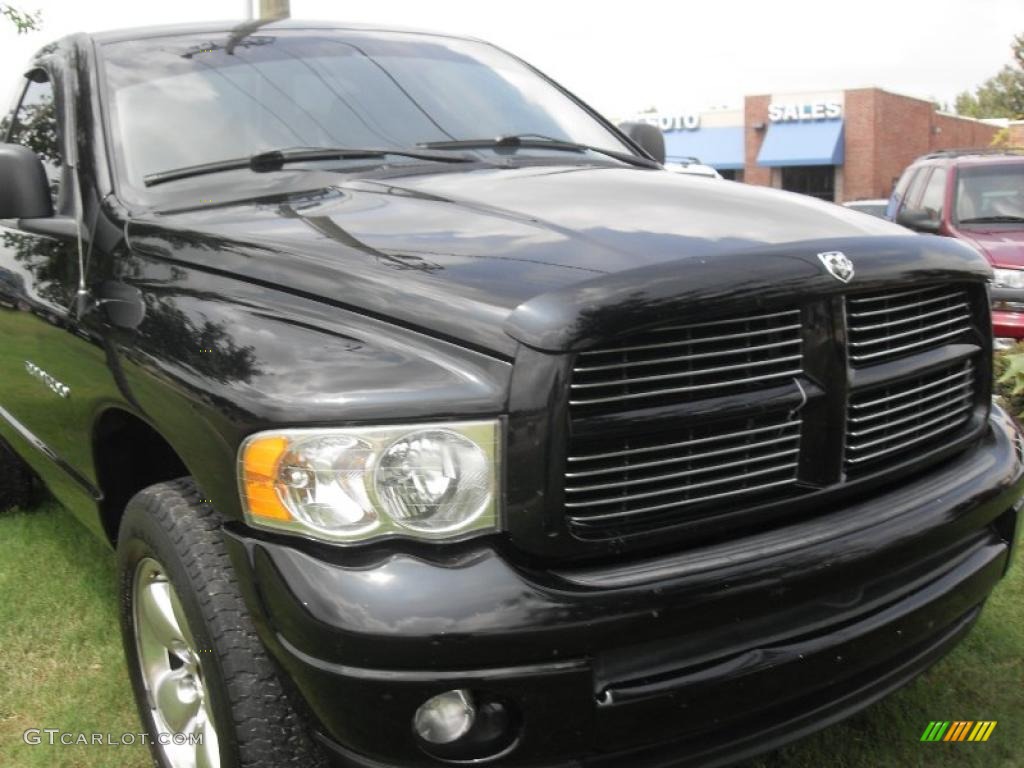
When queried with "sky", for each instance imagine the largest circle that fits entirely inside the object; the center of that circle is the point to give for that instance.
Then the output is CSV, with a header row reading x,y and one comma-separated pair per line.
x,y
678,56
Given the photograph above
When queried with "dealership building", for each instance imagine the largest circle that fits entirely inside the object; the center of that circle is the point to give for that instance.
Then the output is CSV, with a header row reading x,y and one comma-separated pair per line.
x,y
836,145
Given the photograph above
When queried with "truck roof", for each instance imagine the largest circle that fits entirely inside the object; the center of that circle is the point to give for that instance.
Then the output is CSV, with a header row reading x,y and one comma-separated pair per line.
x,y
170,30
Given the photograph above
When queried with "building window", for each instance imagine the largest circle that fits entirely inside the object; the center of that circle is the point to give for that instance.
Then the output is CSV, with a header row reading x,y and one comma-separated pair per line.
x,y
814,180
733,174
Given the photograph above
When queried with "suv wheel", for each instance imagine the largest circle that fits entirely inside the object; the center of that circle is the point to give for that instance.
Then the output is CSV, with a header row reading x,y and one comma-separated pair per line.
x,y
207,691
16,481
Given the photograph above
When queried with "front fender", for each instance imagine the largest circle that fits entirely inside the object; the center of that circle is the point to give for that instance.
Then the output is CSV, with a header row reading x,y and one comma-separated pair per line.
x,y
217,358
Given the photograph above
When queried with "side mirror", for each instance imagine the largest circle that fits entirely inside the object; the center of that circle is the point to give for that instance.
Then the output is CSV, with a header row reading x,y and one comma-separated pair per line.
x,y
24,187
918,220
122,305
648,137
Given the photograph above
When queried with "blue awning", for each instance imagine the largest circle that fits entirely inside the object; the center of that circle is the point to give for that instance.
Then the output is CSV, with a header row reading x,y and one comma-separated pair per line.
x,y
721,148
818,142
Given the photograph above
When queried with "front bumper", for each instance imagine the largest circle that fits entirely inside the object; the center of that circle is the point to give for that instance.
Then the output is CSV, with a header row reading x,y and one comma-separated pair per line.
x,y
700,658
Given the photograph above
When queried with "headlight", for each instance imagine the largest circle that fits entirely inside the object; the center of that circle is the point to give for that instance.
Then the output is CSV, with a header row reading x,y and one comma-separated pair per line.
x,y
432,481
1008,278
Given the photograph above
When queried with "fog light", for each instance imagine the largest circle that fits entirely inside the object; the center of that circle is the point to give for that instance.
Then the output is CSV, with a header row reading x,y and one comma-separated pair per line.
x,y
446,717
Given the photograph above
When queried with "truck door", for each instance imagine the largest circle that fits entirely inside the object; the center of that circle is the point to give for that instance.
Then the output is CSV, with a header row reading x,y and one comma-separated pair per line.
x,y
50,370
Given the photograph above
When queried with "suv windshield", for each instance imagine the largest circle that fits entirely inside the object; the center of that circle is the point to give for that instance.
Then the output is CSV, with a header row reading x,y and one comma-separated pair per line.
x,y
185,101
990,194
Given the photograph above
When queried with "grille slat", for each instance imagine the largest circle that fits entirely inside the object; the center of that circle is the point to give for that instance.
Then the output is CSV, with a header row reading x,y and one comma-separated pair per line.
x,y
679,475
633,513
659,472
907,444
664,344
959,319
727,384
687,487
700,372
679,363
665,462
922,316
963,376
896,323
682,358
908,413
854,300
943,406
896,351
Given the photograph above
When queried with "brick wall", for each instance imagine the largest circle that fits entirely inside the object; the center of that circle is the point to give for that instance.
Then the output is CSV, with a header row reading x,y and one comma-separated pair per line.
x,y
860,165
907,128
1017,134
755,112
883,133
903,131
949,131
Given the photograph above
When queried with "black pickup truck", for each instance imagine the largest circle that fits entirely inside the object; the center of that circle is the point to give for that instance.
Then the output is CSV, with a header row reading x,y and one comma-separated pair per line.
x,y
434,422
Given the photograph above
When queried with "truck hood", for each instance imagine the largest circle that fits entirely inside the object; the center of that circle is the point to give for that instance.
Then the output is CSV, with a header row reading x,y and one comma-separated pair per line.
x,y
454,254
1003,246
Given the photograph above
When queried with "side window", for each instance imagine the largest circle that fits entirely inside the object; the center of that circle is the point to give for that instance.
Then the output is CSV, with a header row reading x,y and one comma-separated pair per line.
x,y
35,126
914,190
899,193
934,194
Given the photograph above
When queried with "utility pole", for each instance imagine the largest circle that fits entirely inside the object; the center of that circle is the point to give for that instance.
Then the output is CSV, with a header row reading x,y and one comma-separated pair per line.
x,y
275,9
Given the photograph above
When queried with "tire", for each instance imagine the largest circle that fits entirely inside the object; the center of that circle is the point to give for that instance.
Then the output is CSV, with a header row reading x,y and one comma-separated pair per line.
x,y
172,562
17,485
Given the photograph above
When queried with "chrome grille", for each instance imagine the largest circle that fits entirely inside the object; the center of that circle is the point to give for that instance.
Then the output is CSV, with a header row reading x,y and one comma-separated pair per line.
x,y
676,363
888,325
905,418
637,479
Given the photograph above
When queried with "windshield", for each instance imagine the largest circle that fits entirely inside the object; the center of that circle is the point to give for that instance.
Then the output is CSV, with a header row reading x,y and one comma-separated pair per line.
x,y
185,101
990,193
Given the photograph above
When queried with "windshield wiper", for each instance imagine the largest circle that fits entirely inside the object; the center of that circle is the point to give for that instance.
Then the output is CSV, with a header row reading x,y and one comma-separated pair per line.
x,y
1001,219
537,141
276,159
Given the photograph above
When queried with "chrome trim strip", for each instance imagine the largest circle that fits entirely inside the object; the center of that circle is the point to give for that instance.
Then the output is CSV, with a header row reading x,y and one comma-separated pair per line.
x,y
688,502
678,459
51,454
702,340
964,389
907,444
683,358
715,323
687,487
678,390
911,332
686,473
914,345
964,372
946,404
683,374
962,306
906,432
900,307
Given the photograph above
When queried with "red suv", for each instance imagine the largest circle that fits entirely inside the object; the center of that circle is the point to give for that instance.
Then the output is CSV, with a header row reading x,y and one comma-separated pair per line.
x,y
976,195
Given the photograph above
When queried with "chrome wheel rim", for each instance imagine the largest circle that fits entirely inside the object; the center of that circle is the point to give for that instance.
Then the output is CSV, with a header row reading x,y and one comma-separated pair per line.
x,y
172,673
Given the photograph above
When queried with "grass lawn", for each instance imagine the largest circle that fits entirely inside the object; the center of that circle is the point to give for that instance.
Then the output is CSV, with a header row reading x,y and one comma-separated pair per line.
x,y
61,666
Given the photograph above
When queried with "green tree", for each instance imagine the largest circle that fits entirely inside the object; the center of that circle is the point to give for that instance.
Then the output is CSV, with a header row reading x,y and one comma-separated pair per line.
x,y
1001,95
23,21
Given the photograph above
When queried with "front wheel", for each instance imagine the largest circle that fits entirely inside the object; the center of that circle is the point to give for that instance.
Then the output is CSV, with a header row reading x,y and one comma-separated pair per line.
x,y
208,693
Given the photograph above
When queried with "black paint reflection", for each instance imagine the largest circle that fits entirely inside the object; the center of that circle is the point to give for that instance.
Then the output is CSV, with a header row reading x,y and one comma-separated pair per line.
x,y
204,345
